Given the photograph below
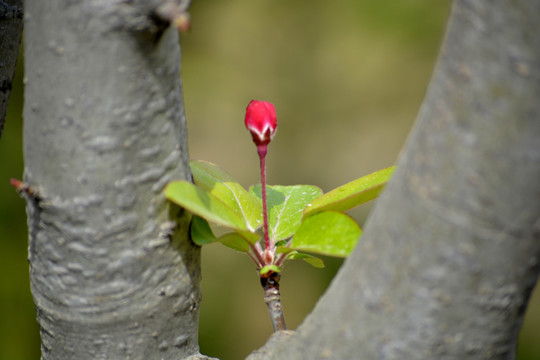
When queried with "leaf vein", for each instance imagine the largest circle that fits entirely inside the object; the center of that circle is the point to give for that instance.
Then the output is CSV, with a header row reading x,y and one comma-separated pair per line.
x,y
239,205
278,217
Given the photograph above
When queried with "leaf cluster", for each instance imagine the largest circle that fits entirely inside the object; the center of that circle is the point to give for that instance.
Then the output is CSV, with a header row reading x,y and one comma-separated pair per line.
x,y
301,218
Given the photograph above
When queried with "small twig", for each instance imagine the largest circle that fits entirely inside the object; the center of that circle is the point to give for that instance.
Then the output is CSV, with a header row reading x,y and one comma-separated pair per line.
x,y
175,13
25,189
272,298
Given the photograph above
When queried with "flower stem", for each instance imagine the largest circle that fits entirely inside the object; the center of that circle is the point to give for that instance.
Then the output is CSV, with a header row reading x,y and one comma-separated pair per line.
x,y
262,150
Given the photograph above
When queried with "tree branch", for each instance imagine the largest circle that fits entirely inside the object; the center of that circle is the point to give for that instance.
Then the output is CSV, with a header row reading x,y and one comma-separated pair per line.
x,y
11,25
451,251
113,273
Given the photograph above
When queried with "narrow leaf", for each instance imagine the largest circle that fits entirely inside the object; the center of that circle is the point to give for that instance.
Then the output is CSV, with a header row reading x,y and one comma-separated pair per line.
x,y
328,233
310,259
282,249
285,207
203,204
351,194
220,184
201,233
313,261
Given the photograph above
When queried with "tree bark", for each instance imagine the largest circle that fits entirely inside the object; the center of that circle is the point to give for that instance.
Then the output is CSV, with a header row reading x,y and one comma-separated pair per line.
x,y
113,273
451,251
11,24
448,258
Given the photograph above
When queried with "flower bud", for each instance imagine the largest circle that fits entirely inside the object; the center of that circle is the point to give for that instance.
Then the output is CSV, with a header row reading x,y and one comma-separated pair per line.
x,y
261,121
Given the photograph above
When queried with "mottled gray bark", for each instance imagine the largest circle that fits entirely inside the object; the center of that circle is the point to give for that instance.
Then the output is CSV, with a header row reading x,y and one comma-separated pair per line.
x,y
451,251
448,258
113,273
11,24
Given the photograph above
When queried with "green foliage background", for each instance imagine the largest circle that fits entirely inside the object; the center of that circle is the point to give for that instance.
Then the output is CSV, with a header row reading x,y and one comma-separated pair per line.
x,y
347,78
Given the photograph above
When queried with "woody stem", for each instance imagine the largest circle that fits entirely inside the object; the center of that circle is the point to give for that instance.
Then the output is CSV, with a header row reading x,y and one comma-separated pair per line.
x,y
272,298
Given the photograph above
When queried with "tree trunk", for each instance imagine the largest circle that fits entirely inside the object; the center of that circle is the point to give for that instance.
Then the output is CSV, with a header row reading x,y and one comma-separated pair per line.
x,y
451,251
113,273
11,24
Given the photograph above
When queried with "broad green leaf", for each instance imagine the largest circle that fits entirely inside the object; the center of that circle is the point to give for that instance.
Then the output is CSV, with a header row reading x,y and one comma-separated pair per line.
x,y
329,233
285,207
266,269
203,204
351,194
201,233
235,242
220,184
293,255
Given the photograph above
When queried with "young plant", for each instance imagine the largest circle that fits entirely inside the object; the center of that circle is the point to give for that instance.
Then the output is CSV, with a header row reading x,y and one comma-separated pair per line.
x,y
272,224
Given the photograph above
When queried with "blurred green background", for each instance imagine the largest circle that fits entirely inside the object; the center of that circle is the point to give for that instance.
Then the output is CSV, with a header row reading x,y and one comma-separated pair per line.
x,y
347,78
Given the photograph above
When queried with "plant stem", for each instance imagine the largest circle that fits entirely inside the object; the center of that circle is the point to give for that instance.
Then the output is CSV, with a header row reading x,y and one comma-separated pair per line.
x,y
272,298
262,150
257,258
269,281
280,259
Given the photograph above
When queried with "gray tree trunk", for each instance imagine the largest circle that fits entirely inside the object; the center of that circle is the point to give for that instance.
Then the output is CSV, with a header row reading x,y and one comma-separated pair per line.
x,y
112,272
11,24
448,258
451,251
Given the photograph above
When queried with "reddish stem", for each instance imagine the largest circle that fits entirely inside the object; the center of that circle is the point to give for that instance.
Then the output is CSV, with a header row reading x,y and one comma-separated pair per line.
x,y
262,150
280,259
257,259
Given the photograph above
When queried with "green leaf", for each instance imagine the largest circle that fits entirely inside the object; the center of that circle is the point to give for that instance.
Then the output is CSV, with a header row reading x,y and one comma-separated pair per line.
x,y
351,194
235,242
285,207
281,243
294,255
220,184
311,260
328,233
203,204
201,233
266,269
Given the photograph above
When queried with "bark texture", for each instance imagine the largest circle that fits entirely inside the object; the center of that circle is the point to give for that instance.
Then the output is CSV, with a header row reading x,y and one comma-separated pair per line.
x,y
113,273
451,251
11,24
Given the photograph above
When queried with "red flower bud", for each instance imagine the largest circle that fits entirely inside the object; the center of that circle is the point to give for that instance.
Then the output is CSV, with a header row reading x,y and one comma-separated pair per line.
x,y
261,121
